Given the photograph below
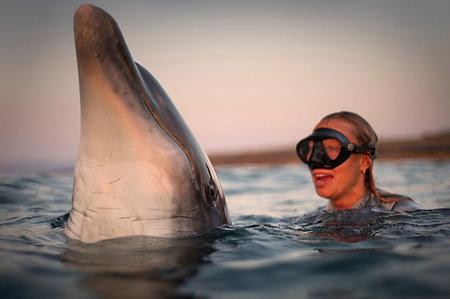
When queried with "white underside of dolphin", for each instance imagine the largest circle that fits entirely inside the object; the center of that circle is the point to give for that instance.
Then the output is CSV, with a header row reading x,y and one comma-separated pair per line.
x,y
139,171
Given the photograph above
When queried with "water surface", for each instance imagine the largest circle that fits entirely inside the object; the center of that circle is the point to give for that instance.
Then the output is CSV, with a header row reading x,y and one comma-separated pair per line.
x,y
278,245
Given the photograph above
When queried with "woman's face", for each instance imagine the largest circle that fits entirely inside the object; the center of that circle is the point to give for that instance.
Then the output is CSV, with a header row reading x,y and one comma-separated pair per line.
x,y
343,185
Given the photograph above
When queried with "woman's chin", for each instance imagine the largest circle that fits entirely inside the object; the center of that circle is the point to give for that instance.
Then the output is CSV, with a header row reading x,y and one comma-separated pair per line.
x,y
324,192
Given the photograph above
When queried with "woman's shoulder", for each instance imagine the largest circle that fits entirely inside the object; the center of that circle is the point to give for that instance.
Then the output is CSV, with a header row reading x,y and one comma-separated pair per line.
x,y
398,202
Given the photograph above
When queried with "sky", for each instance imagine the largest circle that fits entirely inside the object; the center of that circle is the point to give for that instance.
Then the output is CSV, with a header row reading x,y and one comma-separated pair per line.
x,y
244,74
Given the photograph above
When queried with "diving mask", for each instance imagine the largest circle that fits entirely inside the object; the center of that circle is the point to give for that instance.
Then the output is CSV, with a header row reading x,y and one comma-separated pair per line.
x,y
328,148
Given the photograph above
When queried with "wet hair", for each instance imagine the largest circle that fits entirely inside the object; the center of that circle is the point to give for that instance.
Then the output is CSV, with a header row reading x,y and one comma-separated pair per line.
x,y
365,135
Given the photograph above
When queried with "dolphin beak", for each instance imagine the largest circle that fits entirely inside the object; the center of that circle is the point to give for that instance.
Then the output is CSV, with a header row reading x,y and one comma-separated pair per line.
x,y
104,59
98,39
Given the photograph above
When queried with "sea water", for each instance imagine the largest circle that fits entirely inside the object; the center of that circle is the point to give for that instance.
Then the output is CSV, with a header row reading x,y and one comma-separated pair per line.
x,y
279,245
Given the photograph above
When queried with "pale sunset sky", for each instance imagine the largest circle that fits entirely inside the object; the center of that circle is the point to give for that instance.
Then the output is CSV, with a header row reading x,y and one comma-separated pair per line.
x,y
245,75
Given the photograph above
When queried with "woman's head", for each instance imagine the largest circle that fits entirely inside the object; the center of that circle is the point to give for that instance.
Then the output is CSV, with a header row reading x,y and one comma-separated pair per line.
x,y
345,183
360,128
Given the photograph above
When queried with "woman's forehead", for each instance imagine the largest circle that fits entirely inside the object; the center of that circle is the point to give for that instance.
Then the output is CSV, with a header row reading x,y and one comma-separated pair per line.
x,y
340,126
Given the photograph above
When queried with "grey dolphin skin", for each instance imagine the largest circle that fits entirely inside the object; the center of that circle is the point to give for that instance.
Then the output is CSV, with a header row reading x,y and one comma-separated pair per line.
x,y
139,170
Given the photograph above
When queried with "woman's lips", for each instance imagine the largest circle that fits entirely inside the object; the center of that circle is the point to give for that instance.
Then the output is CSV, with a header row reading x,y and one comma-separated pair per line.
x,y
321,179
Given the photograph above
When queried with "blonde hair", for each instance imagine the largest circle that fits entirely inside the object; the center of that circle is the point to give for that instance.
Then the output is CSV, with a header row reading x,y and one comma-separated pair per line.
x,y
365,135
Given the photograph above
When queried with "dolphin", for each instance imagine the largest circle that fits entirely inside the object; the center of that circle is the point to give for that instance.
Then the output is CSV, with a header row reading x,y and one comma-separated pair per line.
x,y
139,169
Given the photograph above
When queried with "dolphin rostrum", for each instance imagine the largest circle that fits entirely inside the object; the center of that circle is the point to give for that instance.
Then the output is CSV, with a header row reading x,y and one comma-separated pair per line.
x,y
139,170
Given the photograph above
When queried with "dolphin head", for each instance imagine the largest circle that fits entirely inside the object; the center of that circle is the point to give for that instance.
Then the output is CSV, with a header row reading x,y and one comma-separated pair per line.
x,y
139,170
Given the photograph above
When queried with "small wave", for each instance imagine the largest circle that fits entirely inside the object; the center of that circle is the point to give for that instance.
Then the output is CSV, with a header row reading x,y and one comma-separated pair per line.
x,y
59,221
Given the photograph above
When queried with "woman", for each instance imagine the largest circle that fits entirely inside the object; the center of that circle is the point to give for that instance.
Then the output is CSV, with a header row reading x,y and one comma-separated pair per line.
x,y
340,154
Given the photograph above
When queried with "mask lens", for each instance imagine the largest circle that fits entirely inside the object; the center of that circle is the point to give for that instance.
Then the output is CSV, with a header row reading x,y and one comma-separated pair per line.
x,y
305,149
332,148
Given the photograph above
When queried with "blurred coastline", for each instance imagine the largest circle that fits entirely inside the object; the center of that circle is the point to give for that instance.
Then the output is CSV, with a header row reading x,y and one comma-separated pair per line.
x,y
435,147
430,146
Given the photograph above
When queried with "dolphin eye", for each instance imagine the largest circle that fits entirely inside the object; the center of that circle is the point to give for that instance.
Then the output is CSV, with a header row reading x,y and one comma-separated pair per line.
x,y
212,193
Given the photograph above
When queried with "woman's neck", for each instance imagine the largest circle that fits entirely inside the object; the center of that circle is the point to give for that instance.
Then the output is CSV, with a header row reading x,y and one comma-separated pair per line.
x,y
347,201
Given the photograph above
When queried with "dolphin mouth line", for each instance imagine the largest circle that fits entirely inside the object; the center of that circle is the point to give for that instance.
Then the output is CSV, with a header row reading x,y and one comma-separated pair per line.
x,y
137,85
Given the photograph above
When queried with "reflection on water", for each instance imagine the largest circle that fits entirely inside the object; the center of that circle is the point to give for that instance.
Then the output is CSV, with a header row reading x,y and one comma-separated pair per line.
x,y
136,267
279,245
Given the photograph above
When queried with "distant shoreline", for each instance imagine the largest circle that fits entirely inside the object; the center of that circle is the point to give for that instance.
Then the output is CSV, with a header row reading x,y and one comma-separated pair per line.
x,y
432,147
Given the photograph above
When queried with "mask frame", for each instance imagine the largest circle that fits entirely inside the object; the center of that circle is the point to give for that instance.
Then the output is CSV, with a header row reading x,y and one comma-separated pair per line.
x,y
319,157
